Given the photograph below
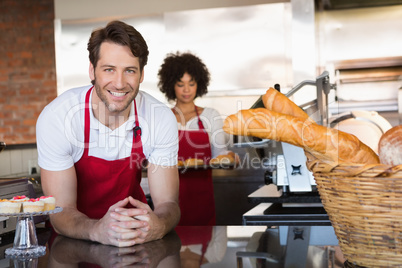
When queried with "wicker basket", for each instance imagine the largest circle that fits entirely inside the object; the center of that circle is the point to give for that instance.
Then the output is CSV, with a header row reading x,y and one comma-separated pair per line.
x,y
364,205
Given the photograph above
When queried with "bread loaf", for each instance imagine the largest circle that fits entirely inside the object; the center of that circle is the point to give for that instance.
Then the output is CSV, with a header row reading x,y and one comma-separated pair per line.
x,y
226,159
275,101
324,143
390,147
193,162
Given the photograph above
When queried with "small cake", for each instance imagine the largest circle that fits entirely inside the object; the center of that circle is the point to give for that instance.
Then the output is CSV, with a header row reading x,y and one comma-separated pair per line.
x,y
50,202
7,206
19,198
33,205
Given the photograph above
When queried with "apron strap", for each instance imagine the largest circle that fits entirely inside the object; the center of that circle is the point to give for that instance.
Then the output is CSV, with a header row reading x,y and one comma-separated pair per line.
x,y
87,121
136,130
200,125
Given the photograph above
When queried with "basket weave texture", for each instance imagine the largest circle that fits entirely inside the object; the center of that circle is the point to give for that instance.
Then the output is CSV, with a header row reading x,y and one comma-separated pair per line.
x,y
364,205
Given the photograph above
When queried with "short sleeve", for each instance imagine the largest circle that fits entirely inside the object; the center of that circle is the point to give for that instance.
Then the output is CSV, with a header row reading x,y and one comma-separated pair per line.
x,y
213,123
54,149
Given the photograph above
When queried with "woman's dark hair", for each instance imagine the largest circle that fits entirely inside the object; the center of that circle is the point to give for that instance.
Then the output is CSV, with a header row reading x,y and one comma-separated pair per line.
x,y
173,68
120,33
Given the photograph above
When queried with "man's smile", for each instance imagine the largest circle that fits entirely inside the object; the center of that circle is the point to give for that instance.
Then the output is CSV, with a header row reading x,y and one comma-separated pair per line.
x,y
118,94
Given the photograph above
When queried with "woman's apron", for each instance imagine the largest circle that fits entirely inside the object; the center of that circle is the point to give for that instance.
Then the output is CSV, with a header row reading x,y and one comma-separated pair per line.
x,y
196,193
102,183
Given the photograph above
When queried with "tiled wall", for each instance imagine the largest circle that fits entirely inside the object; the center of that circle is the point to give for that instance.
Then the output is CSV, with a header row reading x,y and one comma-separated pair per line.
x,y
18,162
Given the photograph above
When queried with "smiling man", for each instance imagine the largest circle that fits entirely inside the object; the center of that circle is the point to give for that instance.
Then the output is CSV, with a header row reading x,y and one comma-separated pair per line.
x,y
93,142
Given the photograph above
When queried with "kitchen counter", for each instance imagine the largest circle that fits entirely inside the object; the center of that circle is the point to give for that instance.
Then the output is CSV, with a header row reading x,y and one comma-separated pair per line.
x,y
215,246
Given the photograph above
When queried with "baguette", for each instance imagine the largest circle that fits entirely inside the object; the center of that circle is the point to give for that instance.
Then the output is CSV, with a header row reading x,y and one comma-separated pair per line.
x,y
275,101
324,143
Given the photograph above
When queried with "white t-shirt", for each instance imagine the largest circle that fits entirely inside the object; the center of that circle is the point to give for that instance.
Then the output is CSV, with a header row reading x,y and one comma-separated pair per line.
x,y
213,123
60,132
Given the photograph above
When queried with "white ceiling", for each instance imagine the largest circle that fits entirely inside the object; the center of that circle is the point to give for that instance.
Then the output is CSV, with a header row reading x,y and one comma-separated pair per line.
x,y
92,10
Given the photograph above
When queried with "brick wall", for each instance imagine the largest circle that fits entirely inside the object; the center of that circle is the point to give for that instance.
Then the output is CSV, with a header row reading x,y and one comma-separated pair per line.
x,y
27,66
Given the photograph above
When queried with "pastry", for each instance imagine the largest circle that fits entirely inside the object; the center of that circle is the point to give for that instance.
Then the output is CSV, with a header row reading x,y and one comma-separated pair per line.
x,y
7,206
324,143
390,146
49,202
33,205
215,161
225,159
20,198
193,162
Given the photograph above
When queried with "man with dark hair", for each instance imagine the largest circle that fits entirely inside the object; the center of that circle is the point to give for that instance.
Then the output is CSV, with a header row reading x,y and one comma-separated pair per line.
x,y
93,142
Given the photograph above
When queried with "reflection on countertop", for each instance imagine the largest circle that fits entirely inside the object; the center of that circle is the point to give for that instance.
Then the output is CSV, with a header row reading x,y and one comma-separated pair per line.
x,y
189,246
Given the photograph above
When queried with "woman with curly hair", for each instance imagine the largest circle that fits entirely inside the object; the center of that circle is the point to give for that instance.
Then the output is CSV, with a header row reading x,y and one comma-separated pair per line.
x,y
182,78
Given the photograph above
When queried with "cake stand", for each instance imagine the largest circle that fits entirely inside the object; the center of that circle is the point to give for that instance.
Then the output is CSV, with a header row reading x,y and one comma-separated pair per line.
x,y
25,240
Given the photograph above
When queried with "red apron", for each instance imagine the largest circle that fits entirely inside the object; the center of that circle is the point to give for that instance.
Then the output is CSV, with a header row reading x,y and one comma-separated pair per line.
x,y
196,192
102,183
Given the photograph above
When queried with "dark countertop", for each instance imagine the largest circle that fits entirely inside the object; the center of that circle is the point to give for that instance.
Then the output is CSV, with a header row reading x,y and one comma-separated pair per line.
x,y
231,190
239,174
252,246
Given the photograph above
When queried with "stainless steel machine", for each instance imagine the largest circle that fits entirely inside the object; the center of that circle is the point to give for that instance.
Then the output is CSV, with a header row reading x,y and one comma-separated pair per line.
x,y
291,246
289,201
289,196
